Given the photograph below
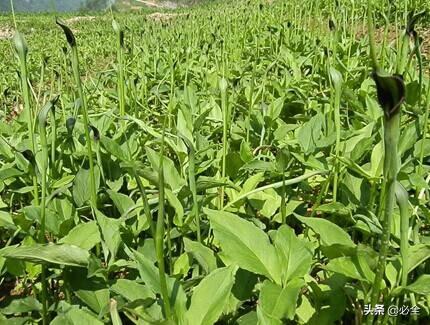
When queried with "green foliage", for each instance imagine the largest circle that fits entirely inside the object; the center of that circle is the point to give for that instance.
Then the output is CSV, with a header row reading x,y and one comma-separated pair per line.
x,y
232,163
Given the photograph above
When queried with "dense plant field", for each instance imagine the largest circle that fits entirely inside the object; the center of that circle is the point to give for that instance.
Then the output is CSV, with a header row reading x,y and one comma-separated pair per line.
x,y
253,162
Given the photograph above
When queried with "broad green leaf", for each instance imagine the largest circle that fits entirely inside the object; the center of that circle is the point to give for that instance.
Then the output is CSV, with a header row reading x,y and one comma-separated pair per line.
x,y
328,232
210,296
85,235
251,183
266,202
248,319
60,254
408,138
277,303
204,255
76,316
421,286
336,208
121,201
175,203
305,310
295,254
376,161
417,254
245,152
6,220
150,275
114,148
66,180
275,108
7,173
424,145
97,300
181,265
309,133
245,244
184,125
110,232
351,267
23,305
290,207
359,144
131,290
81,186
171,176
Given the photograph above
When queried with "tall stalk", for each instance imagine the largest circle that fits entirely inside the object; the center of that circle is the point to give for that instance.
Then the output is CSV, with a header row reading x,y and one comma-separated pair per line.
x,y
21,51
403,202
336,80
193,186
224,108
159,232
75,67
42,118
120,69
391,94
424,130
251,102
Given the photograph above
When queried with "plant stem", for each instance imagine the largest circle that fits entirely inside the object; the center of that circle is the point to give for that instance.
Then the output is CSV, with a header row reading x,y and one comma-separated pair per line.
x,y
424,131
120,69
159,235
21,50
224,109
402,201
44,171
75,67
391,138
193,188
337,124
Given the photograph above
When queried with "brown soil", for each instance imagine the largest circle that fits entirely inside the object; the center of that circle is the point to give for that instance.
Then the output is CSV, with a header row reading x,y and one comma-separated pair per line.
x,y
10,288
424,33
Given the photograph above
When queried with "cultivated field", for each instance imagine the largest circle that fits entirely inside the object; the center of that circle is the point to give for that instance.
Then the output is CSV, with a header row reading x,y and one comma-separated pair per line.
x,y
241,162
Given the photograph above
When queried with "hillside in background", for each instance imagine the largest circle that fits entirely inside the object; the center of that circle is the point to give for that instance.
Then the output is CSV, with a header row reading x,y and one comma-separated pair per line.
x,y
80,5
165,4
53,5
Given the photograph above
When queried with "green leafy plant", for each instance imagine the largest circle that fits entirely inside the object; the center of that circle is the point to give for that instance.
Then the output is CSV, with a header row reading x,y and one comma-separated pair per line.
x,y
223,163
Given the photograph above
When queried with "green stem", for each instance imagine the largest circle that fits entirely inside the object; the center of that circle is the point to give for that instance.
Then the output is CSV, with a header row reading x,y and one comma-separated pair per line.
x,y
424,131
391,138
193,188
21,50
42,238
337,145
146,206
120,70
402,201
224,108
282,183
159,235
371,33
76,74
